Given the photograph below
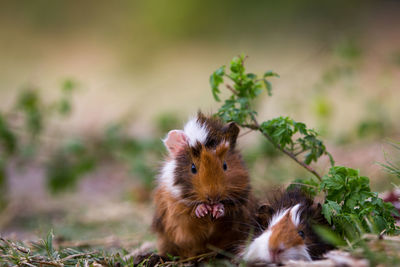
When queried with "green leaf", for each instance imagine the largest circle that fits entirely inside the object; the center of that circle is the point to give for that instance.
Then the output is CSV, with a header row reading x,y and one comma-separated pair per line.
x,y
271,74
330,209
68,86
7,137
30,104
328,235
215,80
268,86
237,65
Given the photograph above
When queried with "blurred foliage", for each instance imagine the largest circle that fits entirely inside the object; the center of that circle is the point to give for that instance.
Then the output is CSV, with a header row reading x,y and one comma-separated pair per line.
x,y
349,49
22,127
261,152
67,165
23,136
3,185
371,127
140,155
7,137
392,166
376,123
167,121
30,105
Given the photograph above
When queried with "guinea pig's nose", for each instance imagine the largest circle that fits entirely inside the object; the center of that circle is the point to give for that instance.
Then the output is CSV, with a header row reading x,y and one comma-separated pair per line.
x,y
213,199
275,255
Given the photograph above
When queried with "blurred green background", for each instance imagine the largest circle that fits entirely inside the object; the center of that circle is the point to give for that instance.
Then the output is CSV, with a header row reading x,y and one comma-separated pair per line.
x,y
90,88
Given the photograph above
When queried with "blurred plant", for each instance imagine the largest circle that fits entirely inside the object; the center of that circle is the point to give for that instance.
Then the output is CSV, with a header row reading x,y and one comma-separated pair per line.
x,y
167,121
390,166
67,165
371,127
22,127
349,206
376,122
140,155
67,160
348,49
261,152
8,146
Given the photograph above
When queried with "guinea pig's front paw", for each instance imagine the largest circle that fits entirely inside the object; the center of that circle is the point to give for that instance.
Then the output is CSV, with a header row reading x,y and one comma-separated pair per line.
x,y
218,210
202,210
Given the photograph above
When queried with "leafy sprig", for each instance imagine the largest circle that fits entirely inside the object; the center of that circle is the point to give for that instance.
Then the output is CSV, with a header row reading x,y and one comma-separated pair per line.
x,y
352,207
239,108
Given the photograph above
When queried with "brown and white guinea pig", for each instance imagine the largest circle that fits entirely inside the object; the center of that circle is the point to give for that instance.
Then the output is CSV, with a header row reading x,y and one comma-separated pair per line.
x,y
202,198
288,220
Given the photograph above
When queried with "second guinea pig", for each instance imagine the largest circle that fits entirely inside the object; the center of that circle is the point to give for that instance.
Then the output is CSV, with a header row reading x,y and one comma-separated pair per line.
x,y
288,219
203,196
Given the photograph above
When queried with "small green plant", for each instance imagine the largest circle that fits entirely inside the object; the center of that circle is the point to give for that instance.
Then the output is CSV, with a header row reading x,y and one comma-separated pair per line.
x,y
350,205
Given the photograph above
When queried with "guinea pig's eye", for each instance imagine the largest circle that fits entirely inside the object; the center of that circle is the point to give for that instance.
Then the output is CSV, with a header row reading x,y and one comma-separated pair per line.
x,y
194,170
224,166
301,233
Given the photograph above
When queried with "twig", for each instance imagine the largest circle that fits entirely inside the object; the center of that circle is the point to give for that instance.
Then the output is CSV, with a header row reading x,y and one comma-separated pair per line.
x,y
78,255
245,133
19,248
298,153
232,89
306,185
256,126
48,263
27,263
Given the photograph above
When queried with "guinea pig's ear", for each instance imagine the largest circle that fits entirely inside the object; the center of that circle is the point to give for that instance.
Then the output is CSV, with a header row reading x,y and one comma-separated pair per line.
x,y
231,132
175,142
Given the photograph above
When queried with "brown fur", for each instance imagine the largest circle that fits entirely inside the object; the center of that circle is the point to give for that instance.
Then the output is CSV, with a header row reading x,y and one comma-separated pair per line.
x,y
179,231
286,233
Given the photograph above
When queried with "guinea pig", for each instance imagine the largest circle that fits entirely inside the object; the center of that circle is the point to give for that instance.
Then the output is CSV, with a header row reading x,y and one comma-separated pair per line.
x,y
288,221
203,195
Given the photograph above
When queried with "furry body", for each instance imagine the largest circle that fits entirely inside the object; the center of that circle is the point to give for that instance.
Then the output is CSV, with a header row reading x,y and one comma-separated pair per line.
x,y
288,218
203,197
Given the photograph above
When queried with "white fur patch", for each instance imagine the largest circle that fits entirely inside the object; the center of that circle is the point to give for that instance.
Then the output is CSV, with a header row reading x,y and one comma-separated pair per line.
x,y
167,178
295,215
278,217
258,249
195,132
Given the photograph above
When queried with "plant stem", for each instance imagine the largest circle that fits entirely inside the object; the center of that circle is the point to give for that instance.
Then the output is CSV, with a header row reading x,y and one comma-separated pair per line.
x,y
256,126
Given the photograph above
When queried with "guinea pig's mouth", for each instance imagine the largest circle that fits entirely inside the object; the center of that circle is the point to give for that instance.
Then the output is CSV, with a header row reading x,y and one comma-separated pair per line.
x,y
214,210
